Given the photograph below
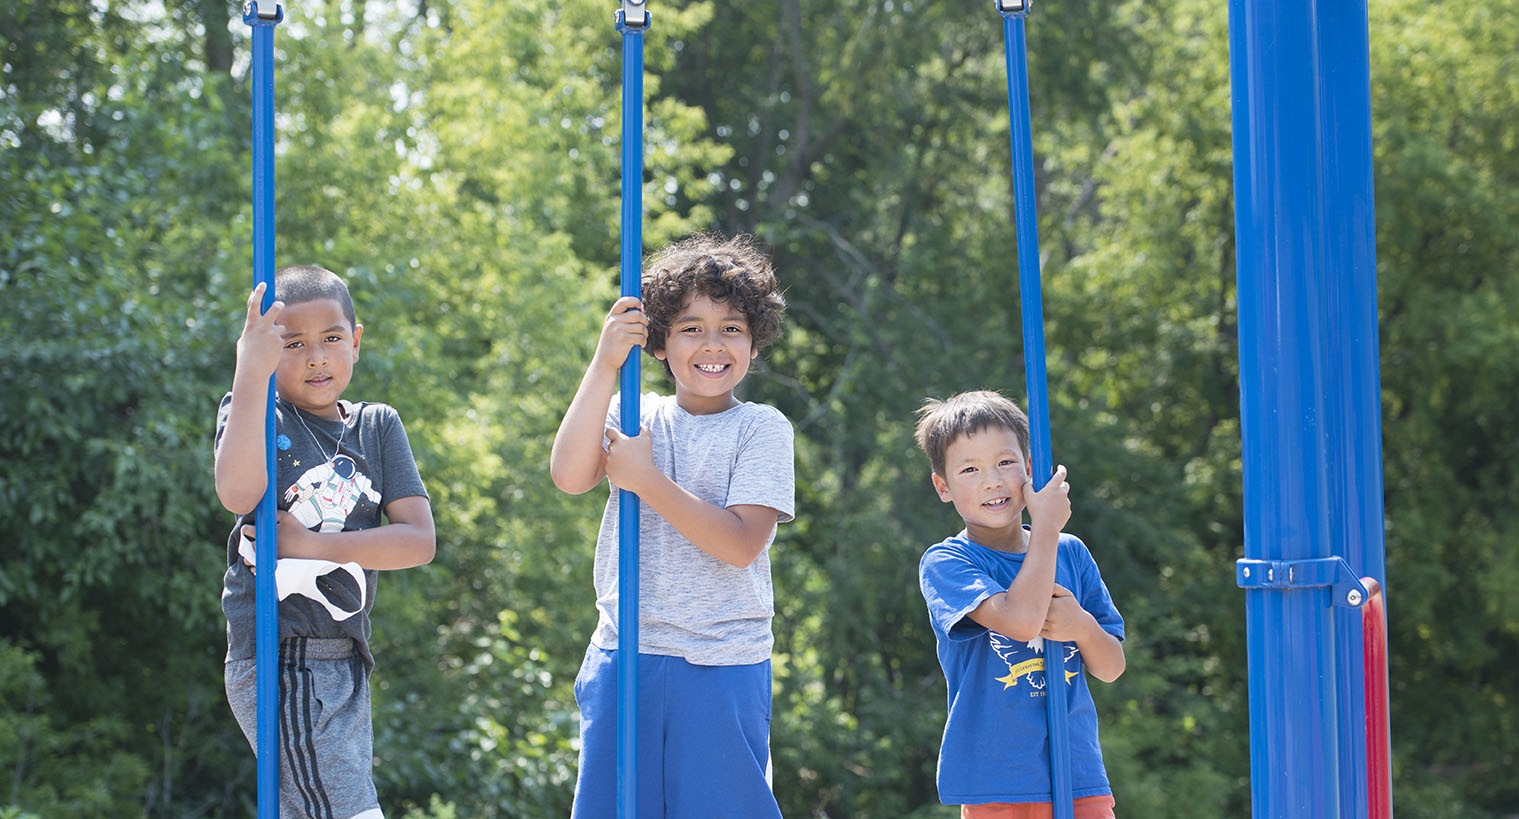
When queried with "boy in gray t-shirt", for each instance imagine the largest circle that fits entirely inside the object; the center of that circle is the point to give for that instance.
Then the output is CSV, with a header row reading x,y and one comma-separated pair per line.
x,y
715,477
340,467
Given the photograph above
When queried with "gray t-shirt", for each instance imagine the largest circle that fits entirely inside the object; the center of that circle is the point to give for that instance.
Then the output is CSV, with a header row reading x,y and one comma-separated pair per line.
x,y
691,604
337,487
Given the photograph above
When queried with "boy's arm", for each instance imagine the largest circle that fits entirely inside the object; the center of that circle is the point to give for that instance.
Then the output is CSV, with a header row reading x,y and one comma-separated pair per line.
x,y
1020,611
1069,622
577,462
735,535
407,540
241,473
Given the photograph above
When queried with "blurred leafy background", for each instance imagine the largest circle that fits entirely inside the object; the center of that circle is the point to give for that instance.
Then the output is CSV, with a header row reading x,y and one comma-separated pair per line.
x,y
457,161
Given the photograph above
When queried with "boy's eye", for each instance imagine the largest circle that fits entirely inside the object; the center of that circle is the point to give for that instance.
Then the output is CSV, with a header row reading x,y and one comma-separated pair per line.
x,y
967,470
293,345
331,339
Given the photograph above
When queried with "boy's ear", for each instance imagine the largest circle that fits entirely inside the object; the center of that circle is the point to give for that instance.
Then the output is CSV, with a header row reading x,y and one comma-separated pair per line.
x,y
941,486
659,354
358,331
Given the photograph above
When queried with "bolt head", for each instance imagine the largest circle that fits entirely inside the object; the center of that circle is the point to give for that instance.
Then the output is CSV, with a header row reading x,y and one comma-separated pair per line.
x,y
1353,597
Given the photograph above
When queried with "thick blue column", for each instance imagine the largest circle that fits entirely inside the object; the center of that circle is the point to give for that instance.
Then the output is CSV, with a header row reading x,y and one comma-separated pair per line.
x,y
1284,351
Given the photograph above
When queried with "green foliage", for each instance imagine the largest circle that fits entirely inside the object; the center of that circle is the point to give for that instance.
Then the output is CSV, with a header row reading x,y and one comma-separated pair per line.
x,y
458,163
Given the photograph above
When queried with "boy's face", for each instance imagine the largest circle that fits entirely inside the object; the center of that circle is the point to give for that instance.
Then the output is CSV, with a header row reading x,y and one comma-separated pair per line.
x,y
320,350
708,348
984,476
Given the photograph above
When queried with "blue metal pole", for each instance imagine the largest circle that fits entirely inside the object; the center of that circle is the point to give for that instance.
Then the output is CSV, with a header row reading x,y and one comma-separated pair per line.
x,y
1355,443
1280,234
632,22
266,611
1034,373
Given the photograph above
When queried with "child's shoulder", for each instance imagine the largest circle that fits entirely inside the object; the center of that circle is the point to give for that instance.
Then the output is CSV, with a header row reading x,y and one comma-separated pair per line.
x,y
954,547
764,413
377,414
1074,546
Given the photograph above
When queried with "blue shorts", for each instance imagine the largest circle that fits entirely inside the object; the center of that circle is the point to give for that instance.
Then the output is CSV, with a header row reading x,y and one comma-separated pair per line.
x,y
703,739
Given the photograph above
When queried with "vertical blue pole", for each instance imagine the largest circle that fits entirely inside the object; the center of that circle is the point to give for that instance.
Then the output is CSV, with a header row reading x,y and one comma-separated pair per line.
x,y
1280,225
627,522
1034,378
266,612
1355,444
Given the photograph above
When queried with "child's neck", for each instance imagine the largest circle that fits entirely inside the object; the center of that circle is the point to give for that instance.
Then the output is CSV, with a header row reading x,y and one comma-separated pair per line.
x,y
705,405
1013,540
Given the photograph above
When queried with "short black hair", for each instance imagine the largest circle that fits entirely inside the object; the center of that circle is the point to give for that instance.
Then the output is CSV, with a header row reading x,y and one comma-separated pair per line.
x,y
967,413
301,283
732,271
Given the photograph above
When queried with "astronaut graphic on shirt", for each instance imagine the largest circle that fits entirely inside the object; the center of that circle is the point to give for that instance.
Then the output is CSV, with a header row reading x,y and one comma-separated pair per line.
x,y
323,497
326,493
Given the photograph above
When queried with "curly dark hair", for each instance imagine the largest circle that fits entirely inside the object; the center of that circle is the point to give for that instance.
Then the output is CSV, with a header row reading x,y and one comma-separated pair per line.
x,y
732,271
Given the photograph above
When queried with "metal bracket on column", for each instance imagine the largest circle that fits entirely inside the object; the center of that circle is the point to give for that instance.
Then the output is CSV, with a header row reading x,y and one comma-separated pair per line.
x,y
1349,592
633,16
270,15
1014,8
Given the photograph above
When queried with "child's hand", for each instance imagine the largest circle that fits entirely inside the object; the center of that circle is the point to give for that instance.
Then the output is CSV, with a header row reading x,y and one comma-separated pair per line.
x,y
1050,506
630,461
626,326
1066,620
294,539
262,342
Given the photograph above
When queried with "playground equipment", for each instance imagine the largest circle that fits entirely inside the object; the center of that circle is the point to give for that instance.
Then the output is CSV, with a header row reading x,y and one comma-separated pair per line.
x,y
1310,401
1020,129
266,602
632,21
1314,563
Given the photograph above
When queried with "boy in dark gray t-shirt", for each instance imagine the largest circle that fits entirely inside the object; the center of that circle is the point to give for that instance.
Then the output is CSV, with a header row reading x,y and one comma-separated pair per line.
x,y
714,475
340,466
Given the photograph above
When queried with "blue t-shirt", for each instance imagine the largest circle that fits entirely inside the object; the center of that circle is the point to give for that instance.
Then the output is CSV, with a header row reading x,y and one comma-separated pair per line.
x,y
995,745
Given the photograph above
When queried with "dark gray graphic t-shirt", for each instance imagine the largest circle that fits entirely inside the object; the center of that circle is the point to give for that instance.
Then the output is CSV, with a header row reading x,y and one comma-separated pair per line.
x,y
333,476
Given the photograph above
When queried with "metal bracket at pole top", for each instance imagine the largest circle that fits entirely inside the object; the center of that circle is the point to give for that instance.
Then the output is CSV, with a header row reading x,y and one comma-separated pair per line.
x,y
1282,575
255,16
1014,8
633,16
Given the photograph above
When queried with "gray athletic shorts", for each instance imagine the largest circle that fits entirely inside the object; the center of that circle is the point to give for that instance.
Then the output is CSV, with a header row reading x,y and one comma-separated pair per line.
x,y
326,740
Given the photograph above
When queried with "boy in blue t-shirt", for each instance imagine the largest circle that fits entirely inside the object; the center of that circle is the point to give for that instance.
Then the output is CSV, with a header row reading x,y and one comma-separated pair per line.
x,y
995,592
714,475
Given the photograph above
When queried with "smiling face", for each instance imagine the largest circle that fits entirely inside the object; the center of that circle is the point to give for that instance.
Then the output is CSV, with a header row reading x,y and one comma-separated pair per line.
x,y
708,348
320,350
985,473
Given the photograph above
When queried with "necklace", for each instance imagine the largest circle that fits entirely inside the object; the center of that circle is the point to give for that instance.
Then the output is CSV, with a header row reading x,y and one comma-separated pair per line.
x,y
336,448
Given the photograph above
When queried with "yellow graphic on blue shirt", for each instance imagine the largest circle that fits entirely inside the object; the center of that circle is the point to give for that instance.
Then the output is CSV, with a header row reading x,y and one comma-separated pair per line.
x,y
1025,662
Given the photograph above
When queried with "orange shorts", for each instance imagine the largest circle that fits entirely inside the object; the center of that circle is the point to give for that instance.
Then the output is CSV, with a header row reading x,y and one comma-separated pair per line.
x,y
1087,807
